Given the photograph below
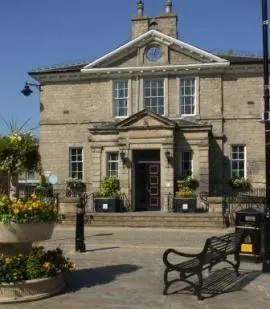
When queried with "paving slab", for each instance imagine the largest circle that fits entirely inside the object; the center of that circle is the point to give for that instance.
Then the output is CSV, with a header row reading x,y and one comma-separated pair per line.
x,y
122,268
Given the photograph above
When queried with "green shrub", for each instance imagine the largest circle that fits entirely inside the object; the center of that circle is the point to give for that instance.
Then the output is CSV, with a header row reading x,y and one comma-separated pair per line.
x,y
110,187
239,182
187,187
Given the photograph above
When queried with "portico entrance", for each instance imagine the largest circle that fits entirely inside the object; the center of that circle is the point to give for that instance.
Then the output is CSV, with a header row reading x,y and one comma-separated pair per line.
x,y
146,179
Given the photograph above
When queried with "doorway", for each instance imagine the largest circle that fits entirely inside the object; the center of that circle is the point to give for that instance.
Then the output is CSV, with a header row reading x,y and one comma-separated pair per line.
x,y
147,180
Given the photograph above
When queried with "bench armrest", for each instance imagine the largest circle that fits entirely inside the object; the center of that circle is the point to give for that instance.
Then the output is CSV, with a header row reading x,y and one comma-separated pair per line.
x,y
169,251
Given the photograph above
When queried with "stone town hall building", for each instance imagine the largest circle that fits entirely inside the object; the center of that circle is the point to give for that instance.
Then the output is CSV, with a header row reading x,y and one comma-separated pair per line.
x,y
152,110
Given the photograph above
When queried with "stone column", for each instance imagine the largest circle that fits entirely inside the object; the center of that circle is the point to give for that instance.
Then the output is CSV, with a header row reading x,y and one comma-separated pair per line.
x,y
166,176
204,167
95,168
124,173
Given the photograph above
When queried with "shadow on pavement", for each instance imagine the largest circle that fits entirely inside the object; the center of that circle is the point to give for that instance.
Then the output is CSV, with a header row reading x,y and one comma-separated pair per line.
x,y
72,238
102,234
86,278
222,281
101,249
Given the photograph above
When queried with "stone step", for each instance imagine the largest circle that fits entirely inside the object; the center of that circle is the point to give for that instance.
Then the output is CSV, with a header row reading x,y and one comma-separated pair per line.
x,y
170,220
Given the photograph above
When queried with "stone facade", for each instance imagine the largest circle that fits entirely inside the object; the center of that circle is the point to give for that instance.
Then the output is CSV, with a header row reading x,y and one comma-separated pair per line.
x,y
78,110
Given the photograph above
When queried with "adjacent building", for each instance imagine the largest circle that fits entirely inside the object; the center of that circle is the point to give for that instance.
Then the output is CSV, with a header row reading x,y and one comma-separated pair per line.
x,y
151,111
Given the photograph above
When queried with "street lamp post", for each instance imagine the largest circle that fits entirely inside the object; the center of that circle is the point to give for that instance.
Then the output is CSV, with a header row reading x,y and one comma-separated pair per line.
x,y
265,21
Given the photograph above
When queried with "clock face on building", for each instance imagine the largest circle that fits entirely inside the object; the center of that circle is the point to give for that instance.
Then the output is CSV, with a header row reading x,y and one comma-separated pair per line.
x,y
154,53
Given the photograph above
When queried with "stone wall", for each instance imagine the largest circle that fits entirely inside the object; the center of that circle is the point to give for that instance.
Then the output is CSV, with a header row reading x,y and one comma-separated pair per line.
x,y
232,105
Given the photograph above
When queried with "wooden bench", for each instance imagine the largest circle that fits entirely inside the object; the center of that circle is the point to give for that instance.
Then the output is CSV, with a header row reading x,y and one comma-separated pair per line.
x,y
216,250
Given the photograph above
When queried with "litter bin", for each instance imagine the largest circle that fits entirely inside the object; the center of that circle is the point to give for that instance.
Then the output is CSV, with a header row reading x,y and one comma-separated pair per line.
x,y
251,222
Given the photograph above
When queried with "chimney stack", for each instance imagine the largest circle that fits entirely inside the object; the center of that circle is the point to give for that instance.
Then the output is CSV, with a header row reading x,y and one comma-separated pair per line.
x,y
140,7
168,6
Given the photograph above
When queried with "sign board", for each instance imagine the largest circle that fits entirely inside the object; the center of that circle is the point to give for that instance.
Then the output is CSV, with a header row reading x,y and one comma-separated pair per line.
x,y
105,206
185,206
53,179
250,218
247,248
47,173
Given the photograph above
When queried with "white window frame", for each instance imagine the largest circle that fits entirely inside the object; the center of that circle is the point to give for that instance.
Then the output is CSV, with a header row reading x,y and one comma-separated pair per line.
x,y
181,162
164,93
77,161
108,162
245,158
195,95
29,180
116,98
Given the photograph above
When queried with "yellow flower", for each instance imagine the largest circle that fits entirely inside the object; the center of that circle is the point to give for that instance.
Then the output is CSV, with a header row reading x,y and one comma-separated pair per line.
x,y
71,266
8,260
46,265
16,211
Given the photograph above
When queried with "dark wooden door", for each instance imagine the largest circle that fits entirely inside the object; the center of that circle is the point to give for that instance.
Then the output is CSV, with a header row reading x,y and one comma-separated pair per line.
x,y
147,186
153,185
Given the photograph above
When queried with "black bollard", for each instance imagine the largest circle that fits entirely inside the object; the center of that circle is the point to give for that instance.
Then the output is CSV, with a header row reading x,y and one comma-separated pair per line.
x,y
79,237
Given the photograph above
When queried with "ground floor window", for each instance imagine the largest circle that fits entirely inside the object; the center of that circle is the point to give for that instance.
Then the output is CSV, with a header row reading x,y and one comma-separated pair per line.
x,y
76,163
186,164
238,161
112,164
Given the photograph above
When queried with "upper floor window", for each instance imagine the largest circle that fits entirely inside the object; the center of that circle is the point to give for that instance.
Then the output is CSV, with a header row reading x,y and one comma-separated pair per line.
x,y
121,98
154,95
186,163
76,163
187,96
238,163
112,164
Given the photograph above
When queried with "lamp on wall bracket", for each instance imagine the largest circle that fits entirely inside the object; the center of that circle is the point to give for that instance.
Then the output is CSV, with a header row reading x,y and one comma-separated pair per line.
x,y
122,156
27,91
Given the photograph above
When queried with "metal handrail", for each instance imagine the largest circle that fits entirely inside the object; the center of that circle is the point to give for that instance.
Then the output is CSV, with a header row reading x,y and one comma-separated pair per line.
x,y
204,198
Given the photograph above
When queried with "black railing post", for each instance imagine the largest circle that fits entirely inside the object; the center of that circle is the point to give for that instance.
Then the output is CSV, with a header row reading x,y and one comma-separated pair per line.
x,y
265,22
79,237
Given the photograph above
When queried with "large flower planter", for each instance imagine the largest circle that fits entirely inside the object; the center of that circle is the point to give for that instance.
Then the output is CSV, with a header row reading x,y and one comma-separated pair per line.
x,y
31,289
25,232
184,204
109,205
17,238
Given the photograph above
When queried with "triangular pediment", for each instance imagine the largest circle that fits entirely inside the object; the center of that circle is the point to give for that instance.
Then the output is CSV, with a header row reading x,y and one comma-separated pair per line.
x,y
145,120
180,53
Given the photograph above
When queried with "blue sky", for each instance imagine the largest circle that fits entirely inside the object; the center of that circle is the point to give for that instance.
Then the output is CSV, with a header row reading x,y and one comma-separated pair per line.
x,y
38,33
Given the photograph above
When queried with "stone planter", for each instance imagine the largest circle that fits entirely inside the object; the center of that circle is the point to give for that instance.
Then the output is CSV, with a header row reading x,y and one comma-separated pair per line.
x,y
67,205
31,289
17,238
